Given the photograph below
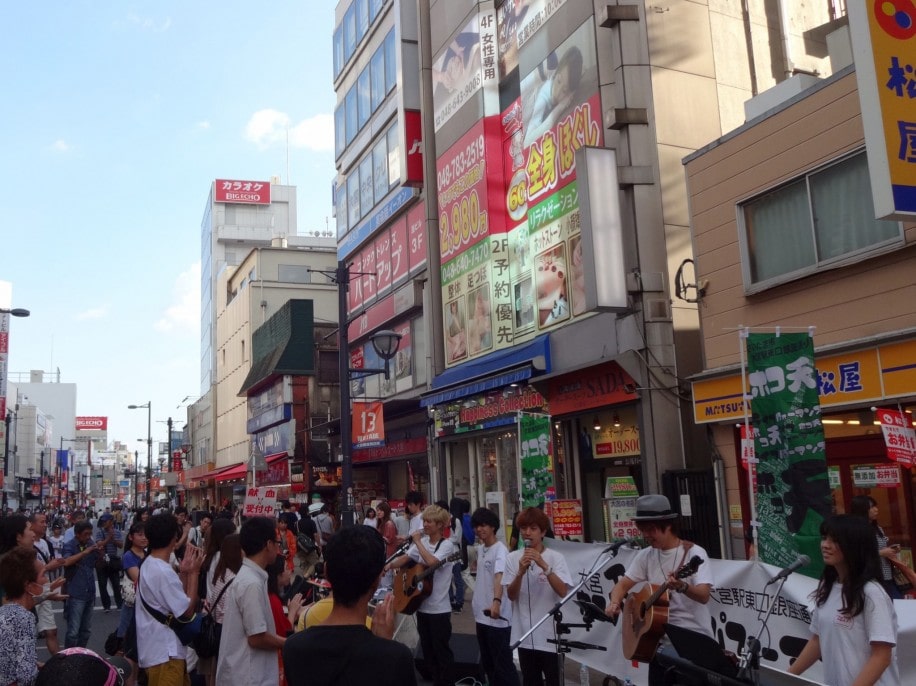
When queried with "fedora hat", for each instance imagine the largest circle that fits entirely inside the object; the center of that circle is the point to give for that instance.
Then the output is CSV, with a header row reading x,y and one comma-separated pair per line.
x,y
653,508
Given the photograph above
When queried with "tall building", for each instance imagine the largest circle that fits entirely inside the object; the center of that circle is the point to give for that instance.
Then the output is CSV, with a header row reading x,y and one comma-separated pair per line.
x,y
559,310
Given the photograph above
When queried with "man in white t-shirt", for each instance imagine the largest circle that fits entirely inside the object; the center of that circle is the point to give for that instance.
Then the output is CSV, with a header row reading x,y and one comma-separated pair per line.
x,y
160,588
535,579
249,642
659,564
492,609
434,616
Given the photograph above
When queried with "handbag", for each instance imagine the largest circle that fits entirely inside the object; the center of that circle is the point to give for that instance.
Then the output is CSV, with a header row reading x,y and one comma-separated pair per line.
x,y
185,628
904,577
305,544
206,643
128,591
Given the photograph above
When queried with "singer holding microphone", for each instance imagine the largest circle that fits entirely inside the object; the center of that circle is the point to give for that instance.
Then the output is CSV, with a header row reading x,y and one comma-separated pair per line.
x,y
854,625
658,564
535,579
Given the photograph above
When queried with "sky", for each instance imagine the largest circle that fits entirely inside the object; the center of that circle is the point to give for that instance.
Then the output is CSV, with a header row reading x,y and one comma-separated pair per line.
x,y
115,119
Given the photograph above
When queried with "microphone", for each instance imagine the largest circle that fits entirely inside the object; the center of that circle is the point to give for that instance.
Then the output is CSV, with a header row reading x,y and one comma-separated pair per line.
x,y
488,614
800,562
616,545
527,543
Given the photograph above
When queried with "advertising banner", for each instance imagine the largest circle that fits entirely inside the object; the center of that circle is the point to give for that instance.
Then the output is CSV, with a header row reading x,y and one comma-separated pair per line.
x,y
793,496
899,436
466,65
368,424
536,456
566,516
92,423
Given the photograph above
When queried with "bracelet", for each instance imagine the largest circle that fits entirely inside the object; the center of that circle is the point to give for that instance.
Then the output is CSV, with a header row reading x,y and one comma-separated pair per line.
x,y
498,600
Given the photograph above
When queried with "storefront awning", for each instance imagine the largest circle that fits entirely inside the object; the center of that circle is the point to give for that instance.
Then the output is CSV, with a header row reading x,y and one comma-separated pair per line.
x,y
231,474
491,371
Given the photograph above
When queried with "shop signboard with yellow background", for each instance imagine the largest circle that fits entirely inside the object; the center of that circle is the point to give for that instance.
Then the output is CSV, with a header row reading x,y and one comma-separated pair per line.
x,y
883,33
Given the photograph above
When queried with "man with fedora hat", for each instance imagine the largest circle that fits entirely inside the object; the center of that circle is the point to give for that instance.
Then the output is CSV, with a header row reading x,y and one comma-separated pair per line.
x,y
658,563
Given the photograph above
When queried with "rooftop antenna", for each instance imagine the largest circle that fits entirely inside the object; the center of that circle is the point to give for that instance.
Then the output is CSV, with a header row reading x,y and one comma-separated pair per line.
x,y
288,181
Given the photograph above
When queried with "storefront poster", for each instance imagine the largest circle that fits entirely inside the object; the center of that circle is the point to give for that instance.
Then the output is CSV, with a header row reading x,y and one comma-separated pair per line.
x,y
566,516
535,452
792,495
899,436
876,476
620,487
620,522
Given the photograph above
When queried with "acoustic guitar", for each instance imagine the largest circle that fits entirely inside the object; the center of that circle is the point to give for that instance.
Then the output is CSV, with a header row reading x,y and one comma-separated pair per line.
x,y
645,614
413,583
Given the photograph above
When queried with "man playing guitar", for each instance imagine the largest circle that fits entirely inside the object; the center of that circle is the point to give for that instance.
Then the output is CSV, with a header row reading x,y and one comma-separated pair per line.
x,y
658,564
434,617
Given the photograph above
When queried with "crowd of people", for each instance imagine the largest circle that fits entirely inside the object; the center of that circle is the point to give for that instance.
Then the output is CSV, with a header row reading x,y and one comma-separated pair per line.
x,y
168,573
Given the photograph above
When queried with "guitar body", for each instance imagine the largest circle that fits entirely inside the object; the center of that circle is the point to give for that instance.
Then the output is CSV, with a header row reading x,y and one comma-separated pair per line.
x,y
409,590
643,625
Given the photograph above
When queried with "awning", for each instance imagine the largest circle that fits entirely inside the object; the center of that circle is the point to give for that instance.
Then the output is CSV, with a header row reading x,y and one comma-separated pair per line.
x,y
215,472
491,371
233,473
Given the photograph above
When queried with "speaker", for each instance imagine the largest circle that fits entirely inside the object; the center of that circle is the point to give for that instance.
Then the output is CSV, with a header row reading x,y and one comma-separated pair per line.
x,y
467,658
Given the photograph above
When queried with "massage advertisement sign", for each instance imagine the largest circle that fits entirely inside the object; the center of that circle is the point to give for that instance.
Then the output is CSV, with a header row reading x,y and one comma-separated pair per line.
x,y
511,260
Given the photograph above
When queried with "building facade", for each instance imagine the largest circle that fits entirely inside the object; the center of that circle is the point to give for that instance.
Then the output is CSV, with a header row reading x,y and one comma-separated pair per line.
x,y
786,239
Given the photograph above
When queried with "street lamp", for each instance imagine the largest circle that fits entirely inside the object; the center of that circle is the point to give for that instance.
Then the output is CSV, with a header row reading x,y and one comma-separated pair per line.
x,y
148,406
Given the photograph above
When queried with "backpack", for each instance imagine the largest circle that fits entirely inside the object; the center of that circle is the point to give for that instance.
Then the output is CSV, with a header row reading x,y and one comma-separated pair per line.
x,y
305,544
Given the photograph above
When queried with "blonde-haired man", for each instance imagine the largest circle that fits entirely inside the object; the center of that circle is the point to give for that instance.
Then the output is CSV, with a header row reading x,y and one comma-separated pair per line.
x,y
434,617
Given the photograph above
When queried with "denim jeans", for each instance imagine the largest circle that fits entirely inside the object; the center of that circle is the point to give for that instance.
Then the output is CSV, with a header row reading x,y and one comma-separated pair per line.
x,y
78,614
127,614
456,590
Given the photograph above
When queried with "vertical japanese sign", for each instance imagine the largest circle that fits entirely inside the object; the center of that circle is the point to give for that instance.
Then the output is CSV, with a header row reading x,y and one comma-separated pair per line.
x,y
882,39
535,450
899,436
793,496
368,424
6,299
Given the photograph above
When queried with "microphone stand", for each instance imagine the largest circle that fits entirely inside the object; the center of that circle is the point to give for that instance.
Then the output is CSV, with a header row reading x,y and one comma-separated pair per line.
x,y
563,646
749,664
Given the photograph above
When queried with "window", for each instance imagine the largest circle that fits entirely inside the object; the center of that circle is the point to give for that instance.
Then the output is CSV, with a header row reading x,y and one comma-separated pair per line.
x,y
375,6
365,184
340,130
377,72
362,19
394,156
380,168
338,51
363,98
294,273
349,32
813,223
341,210
353,198
352,118
391,63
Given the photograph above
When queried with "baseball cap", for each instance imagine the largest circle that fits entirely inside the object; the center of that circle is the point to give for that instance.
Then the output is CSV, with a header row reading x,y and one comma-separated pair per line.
x,y
107,517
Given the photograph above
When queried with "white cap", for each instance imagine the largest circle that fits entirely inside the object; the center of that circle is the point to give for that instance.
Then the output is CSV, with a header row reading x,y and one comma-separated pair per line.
x,y
315,508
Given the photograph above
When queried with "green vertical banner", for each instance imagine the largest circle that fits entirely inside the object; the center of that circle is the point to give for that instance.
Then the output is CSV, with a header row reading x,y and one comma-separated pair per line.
x,y
535,450
793,495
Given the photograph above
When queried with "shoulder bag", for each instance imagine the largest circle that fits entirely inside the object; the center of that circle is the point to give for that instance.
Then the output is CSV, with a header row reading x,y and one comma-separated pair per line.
x,y
185,628
206,643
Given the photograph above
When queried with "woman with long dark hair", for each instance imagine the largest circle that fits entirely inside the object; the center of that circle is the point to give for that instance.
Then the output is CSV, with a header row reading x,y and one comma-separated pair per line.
x,y
865,506
854,626
226,565
134,554
222,560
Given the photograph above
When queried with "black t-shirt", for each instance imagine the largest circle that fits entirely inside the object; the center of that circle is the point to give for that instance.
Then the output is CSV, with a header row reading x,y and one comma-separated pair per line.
x,y
337,655
307,526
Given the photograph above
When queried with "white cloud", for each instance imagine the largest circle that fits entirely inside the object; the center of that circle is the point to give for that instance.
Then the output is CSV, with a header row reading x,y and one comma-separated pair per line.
x,y
60,145
93,313
269,127
184,312
203,125
150,24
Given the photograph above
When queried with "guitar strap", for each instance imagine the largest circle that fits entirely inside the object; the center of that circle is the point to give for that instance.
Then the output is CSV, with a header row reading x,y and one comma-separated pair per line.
x,y
687,546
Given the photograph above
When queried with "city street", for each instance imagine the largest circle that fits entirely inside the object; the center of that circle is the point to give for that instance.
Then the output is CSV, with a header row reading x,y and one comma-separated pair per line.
x,y
102,625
